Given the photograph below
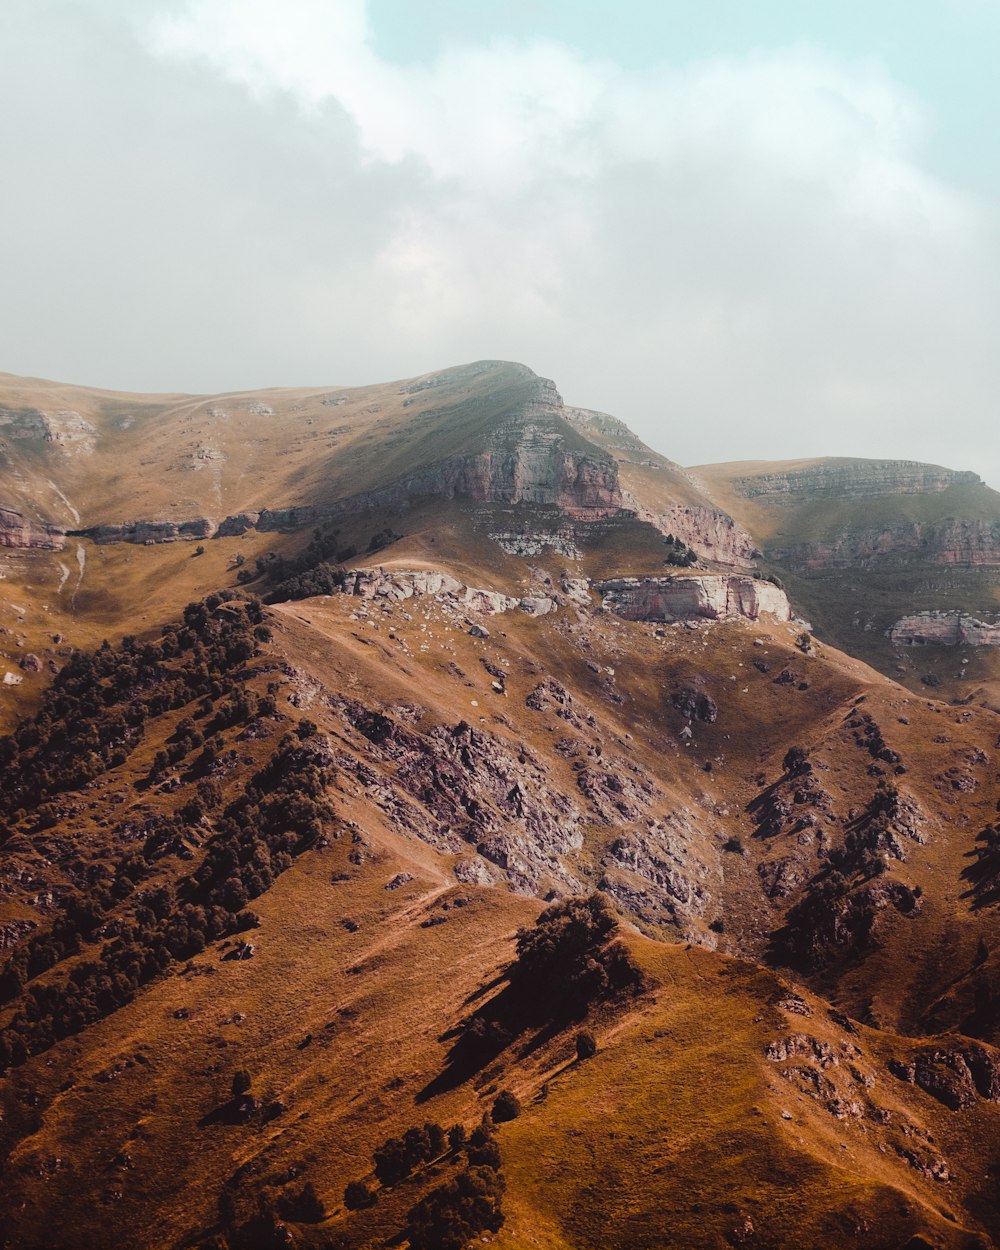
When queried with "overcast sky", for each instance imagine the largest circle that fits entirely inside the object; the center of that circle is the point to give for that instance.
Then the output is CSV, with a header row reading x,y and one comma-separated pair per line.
x,y
750,228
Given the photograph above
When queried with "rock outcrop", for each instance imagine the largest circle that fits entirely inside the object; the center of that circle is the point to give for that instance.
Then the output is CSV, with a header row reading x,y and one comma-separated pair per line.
x,y
148,533
856,479
946,629
17,531
68,430
711,534
709,597
958,541
399,584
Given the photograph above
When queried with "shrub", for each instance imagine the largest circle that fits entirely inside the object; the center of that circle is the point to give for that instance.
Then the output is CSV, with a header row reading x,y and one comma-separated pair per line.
x,y
306,1207
483,1150
241,1083
572,952
358,1195
506,1106
391,1161
586,1044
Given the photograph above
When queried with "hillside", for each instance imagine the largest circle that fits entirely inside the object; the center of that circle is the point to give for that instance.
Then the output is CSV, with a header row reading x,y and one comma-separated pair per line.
x,y
867,547
277,857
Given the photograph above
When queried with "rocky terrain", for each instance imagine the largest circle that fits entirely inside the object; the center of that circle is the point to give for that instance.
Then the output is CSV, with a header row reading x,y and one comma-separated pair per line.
x,y
864,546
945,629
419,806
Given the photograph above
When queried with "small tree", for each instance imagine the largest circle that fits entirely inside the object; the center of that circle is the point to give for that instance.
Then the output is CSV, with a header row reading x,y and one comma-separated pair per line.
x,y
507,1106
586,1044
457,1136
796,761
358,1195
310,1206
241,1083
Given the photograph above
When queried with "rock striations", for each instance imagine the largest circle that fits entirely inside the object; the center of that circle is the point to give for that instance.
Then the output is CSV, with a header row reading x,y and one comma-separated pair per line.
x,y
711,597
948,629
17,531
856,479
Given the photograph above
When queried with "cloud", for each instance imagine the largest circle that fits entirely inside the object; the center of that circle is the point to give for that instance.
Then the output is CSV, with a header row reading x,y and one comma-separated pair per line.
x,y
746,256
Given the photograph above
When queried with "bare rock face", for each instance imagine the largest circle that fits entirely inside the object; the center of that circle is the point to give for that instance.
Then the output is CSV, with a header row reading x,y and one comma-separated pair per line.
x,y
148,533
953,1076
464,790
947,629
958,541
529,460
71,433
711,534
396,584
857,479
17,531
402,584
709,597
234,526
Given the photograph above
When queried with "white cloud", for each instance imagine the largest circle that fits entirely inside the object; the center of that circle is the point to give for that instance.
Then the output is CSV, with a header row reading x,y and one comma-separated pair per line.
x,y
745,256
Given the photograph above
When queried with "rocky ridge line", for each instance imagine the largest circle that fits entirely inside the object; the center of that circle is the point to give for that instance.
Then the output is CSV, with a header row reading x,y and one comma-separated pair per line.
x,y
861,479
709,597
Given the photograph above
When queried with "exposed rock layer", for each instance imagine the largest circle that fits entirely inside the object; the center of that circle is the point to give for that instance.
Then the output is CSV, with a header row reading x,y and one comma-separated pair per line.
x,y
712,597
948,629
857,479
17,531
958,541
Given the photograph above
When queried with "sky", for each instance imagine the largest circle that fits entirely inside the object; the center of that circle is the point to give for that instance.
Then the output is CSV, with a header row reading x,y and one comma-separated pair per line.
x,y
752,229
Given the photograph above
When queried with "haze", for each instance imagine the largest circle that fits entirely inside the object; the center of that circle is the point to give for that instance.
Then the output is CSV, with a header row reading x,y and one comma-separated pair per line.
x,y
770,236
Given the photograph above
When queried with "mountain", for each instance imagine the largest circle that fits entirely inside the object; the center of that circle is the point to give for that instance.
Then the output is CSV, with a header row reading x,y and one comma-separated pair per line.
x,y
894,561
448,744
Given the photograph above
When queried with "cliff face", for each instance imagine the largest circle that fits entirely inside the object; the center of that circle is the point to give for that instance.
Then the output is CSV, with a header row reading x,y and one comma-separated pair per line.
x,y
948,629
149,532
667,498
711,597
529,465
856,479
17,531
713,535
959,541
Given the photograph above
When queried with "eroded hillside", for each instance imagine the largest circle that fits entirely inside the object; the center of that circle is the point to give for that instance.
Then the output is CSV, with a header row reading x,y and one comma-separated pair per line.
x,y
276,867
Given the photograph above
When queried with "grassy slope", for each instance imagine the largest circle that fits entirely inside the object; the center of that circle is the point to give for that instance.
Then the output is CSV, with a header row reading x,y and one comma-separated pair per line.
x,y
680,1101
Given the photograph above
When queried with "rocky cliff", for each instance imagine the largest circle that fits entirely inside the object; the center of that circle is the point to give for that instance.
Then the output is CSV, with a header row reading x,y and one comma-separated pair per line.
x,y
711,534
948,629
855,479
665,496
148,532
711,597
952,542
17,531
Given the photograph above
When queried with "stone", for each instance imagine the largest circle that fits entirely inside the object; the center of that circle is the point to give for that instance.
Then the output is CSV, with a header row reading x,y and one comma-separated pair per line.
x,y
682,598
